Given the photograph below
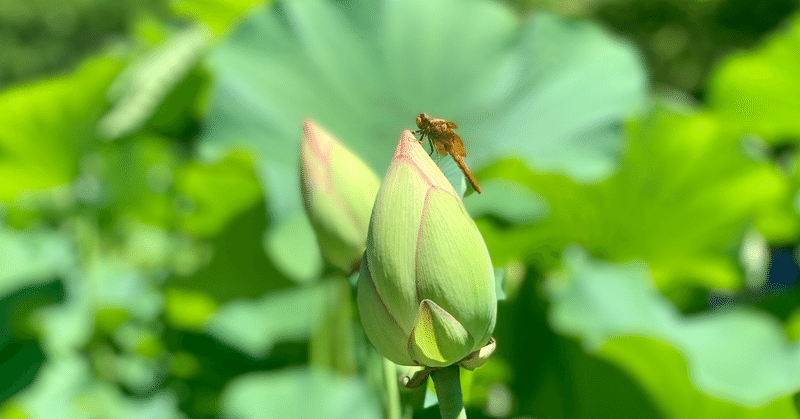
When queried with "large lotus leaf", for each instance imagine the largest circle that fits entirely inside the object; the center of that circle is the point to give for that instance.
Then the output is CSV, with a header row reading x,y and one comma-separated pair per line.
x,y
734,362
680,201
550,90
759,90
45,126
297,394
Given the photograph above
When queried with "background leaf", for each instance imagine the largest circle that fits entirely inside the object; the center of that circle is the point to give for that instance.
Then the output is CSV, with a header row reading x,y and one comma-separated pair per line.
x,y
286,394
737,360
240,323
171,273
758,90
663,183
364,73
141,88
217,14
47,126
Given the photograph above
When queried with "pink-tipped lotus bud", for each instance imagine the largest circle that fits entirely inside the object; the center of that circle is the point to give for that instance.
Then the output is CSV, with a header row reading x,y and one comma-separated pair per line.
x,y
426,292
338,193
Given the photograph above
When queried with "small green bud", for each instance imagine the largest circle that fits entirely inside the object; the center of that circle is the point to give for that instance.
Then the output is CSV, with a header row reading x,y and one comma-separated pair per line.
x,y
426,291
338,193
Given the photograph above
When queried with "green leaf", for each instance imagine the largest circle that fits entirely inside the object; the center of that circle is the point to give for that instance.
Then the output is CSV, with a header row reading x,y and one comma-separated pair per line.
x,y
293,248
758,90
499,280
217,14
106,284
508,200
297,394
334,343
142,87
32,258
65,388
666,205
541,87
135,176
44,127
438,339
731,362
218,192
231,265
254,326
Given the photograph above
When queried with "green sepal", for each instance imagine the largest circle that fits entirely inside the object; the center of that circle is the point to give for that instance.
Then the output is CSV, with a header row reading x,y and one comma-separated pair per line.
x,y
438,339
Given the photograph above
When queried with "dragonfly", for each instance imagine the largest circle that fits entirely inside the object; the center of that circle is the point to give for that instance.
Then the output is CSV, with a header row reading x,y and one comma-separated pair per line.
x,y
444,141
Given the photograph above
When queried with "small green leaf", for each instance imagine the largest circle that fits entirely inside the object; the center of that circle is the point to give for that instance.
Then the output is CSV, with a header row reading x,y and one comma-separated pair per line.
x,y
297,394
32,258
254,326
499,280
292,247
66,388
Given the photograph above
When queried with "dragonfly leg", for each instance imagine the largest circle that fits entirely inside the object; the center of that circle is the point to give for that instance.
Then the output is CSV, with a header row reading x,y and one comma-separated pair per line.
x,y
421,136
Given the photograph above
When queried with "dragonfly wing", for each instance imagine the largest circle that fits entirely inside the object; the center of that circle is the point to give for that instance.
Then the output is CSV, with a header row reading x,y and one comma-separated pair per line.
x,y
441,147
458,146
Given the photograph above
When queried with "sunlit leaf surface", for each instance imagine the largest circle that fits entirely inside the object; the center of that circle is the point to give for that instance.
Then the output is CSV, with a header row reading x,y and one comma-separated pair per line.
x,y
142,87
758,90
44,127
738,360
549,90
170,273
664,184
240,324
297,394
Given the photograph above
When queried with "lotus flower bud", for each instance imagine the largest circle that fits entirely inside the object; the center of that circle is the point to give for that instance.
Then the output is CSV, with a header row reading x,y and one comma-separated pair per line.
x,y
426,291
338,193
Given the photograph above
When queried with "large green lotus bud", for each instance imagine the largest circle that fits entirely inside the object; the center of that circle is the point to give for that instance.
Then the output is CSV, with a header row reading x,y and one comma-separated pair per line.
x,y
426,291
338,193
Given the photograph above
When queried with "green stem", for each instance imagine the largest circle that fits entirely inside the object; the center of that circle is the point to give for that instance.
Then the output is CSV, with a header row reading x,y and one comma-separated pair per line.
x,y
392,391
448,388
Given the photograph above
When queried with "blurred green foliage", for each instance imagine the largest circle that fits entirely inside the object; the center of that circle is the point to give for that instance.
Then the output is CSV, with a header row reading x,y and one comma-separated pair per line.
x,y
682,40
42,37
154,261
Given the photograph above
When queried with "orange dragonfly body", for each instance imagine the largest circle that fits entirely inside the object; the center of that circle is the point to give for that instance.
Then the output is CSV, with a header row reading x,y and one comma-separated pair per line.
x,y
442,139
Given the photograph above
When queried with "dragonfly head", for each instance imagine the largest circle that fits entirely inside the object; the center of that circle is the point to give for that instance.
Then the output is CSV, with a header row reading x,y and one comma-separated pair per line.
x,y
423,120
